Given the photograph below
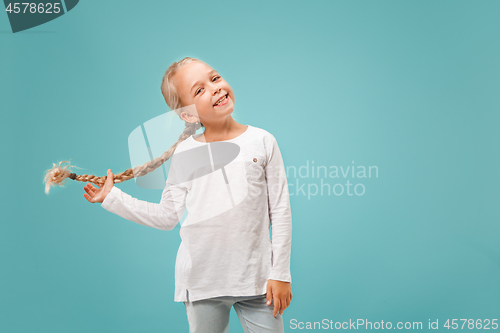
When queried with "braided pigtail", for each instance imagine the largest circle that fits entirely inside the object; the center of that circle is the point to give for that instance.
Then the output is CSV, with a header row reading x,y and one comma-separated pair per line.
x,y
58,175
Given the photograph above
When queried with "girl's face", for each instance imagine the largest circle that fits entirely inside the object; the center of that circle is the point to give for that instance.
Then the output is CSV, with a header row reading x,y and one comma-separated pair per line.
x,y
199,84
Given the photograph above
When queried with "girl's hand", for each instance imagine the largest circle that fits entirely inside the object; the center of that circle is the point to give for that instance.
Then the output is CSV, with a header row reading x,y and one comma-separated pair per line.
x,y
281,292
95,194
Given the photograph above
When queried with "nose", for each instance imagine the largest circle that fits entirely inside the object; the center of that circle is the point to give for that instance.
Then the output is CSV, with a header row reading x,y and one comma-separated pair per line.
x,y
216,90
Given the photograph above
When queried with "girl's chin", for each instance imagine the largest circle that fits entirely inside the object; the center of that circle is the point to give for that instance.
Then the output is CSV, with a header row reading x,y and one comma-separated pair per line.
x,y
226,110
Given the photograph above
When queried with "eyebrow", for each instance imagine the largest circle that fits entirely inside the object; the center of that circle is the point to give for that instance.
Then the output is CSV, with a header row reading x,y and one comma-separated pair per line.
x,y
197,82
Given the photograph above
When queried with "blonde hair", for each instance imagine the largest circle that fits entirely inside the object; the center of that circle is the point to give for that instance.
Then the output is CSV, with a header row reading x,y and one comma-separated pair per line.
x,y
57,175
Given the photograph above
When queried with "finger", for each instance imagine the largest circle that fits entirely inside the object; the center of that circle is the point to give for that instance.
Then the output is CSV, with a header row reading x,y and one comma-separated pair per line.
x,y
109,179
276,306
87,197
283,304
91,186
92,191
287,303
269,295
89,190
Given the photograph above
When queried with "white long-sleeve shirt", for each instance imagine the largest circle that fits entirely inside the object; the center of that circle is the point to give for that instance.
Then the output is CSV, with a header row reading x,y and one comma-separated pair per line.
x,y
226,249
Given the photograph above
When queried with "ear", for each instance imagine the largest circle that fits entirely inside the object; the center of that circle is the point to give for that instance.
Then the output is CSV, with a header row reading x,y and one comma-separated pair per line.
x,y
189,117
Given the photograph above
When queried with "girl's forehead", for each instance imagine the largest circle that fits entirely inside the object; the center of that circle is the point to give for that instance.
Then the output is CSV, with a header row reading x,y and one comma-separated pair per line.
x,y
192,73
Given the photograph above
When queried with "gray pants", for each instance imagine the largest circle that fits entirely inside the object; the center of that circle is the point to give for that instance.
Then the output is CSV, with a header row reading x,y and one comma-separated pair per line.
x,y
212,315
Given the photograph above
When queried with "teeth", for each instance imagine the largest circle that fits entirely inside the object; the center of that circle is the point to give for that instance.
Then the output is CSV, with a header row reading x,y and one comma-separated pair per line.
x,y
222,99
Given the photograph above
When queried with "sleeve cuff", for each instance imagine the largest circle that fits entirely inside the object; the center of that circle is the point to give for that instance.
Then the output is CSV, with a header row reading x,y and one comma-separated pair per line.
x,y
281,277
110,198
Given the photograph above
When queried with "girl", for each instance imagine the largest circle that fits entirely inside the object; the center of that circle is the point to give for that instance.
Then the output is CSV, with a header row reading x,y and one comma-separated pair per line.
x,y
226,257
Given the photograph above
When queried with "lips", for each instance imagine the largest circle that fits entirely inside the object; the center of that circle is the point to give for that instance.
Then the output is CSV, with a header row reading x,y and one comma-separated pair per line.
x,y
225,101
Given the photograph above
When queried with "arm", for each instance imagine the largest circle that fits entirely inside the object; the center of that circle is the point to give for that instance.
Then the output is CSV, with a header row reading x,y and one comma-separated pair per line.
x,y
279,284
279,212
164,215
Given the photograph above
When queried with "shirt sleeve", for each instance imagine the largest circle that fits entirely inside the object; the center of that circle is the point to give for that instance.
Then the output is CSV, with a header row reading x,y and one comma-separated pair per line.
x,y
279,212
164,215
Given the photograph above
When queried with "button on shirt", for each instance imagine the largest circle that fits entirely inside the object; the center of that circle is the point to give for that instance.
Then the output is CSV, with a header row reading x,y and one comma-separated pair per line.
x,y
233,191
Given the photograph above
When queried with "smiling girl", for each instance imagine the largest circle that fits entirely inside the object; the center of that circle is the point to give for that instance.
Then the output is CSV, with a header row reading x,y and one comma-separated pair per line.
x,y
226,258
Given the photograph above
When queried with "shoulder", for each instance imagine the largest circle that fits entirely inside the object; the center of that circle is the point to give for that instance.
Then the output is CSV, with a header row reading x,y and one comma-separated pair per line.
x,y
263,134
260,131
266,141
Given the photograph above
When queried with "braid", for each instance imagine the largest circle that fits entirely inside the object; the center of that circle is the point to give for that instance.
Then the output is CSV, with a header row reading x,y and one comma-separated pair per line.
x,y
57,174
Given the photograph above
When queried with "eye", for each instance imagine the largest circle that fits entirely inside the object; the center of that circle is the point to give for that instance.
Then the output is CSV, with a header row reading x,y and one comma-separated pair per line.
x,y
215,78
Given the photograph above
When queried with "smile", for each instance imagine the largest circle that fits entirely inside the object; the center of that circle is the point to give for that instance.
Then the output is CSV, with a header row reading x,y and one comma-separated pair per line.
x,y
222,101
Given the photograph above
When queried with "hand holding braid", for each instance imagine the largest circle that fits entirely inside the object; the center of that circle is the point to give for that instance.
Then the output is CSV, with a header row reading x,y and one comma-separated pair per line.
x,y
57,175
95,194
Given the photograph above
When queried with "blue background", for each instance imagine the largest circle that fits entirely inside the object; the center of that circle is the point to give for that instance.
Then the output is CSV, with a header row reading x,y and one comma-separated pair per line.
x,y
411,87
